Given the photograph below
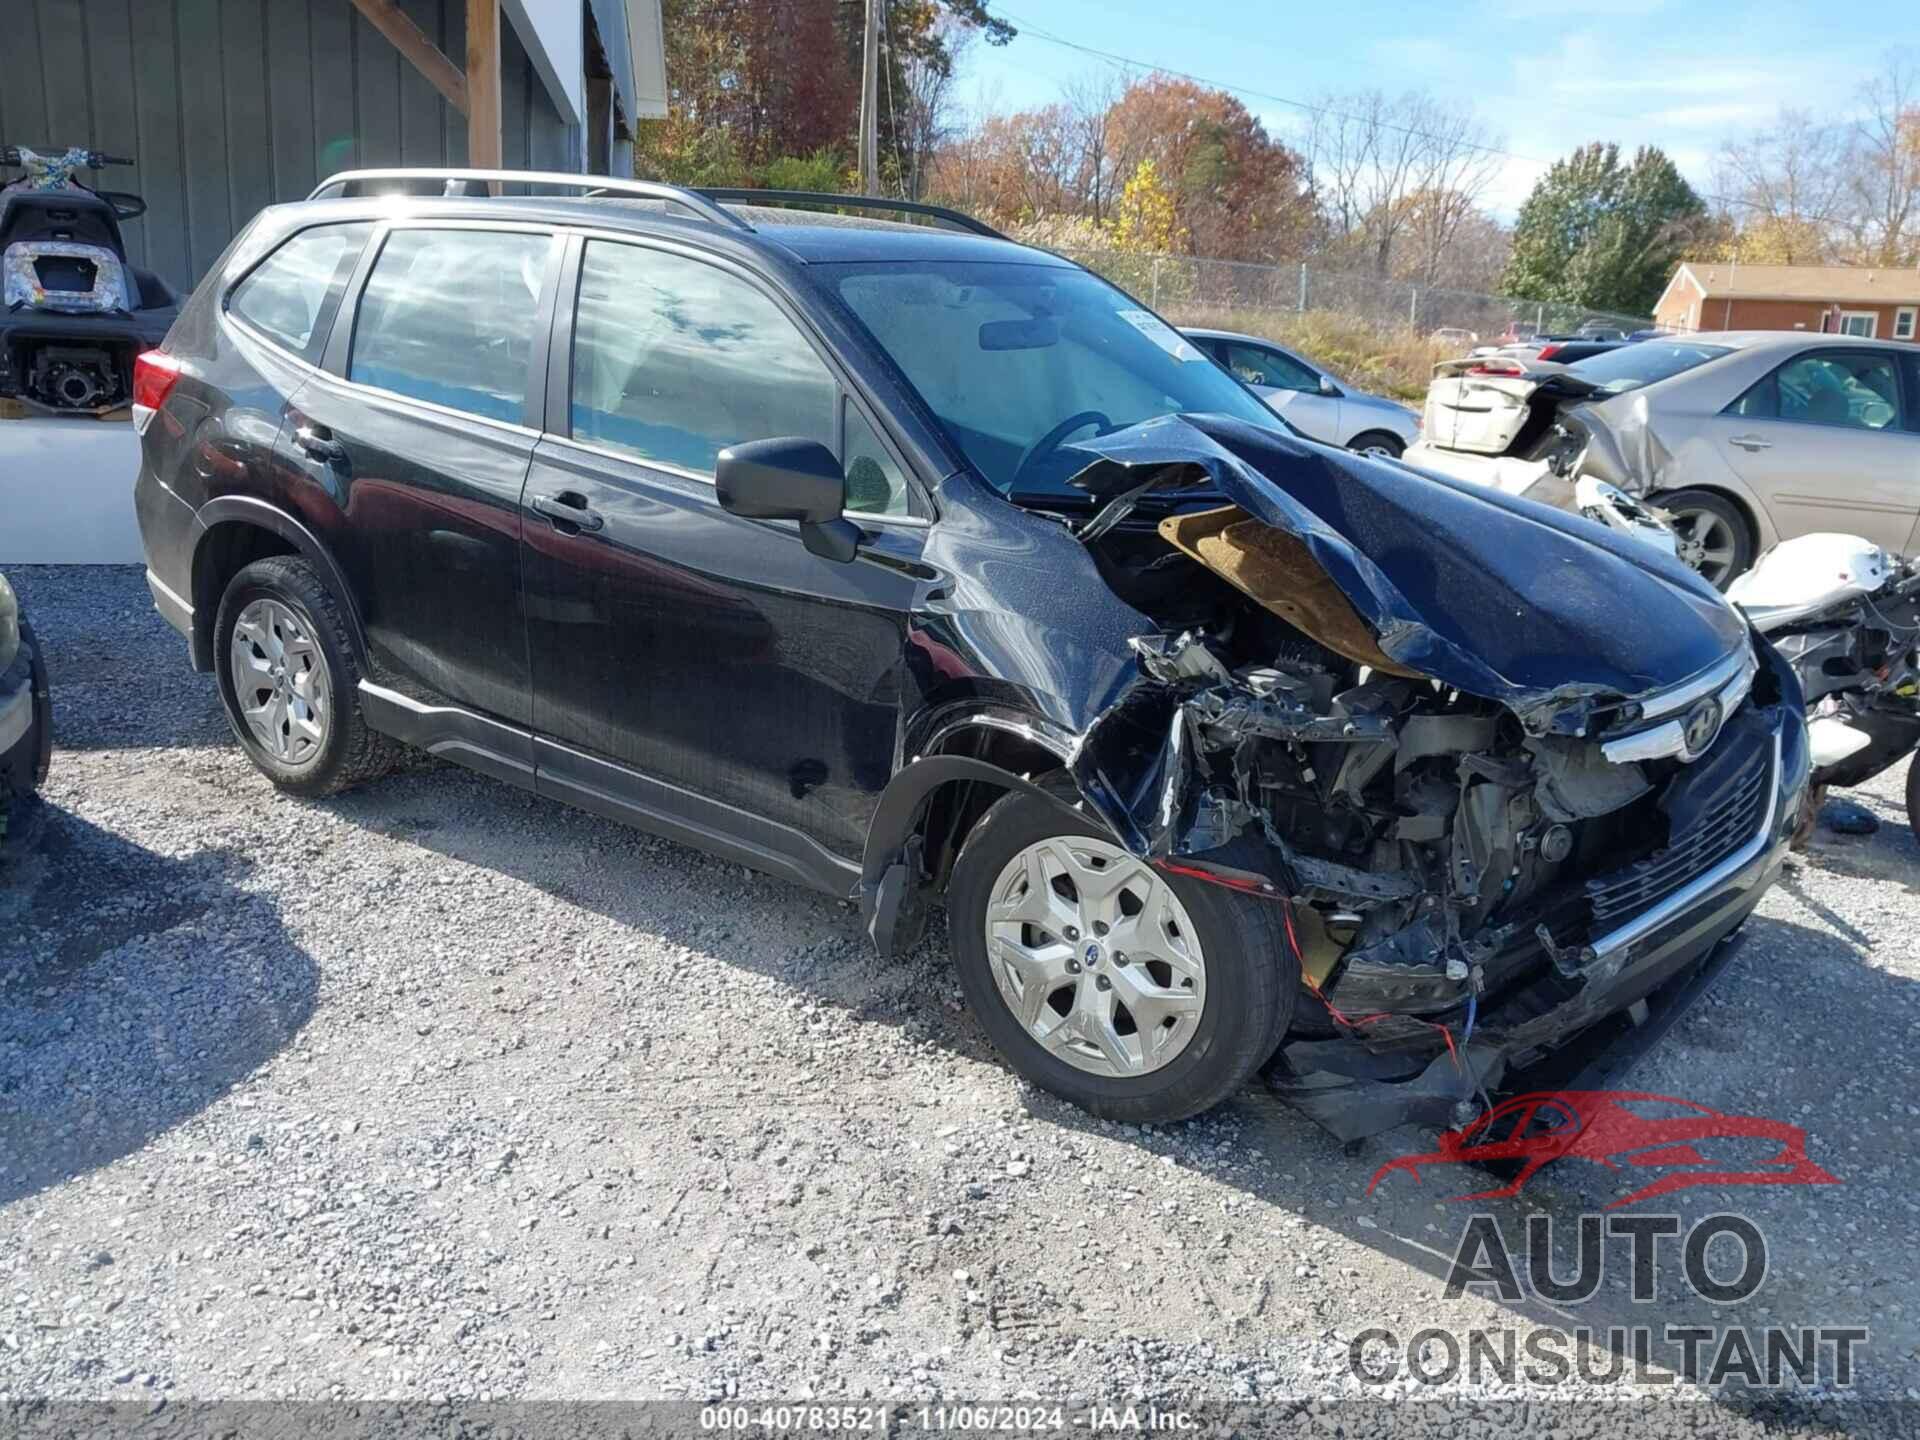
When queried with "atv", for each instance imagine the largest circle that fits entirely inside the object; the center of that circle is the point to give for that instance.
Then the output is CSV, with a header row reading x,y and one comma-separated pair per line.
x,y
76,311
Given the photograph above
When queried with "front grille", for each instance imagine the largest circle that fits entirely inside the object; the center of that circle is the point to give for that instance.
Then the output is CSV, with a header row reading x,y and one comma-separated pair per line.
x,y
1719,830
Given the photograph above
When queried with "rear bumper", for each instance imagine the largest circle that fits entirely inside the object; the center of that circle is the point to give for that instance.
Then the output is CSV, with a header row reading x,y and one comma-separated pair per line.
x,y
1627,988
169,533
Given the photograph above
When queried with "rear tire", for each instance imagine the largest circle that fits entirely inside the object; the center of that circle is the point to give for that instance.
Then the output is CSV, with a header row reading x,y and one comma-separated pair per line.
x,y
290,681
1233,944
1379,442
1716,537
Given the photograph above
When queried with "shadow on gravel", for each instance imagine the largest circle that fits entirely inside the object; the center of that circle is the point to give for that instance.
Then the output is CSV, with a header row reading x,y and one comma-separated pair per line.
x,y
97,626
1780,1036
135,990
1891,855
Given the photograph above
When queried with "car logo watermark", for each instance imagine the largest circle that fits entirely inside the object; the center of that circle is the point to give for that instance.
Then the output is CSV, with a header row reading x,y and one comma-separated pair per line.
x,y
1678,1144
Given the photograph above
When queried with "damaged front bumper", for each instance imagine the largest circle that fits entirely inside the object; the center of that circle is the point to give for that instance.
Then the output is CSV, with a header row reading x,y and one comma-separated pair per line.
x,y
1595,1007
1521,779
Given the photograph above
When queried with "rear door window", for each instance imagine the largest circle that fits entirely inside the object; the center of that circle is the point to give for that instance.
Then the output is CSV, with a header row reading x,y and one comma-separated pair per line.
x,y
675,359
1850,390
448,316
1257,365
286,295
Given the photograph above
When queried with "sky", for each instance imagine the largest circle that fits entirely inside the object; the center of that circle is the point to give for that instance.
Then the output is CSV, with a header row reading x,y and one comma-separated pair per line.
x,y
1544,75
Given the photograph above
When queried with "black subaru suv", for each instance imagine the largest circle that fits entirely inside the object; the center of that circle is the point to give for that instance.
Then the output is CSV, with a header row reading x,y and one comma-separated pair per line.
x,y
893,558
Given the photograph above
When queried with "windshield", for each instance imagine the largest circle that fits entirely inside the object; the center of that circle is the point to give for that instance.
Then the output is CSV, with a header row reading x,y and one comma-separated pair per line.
x,y
1017,361
1642,363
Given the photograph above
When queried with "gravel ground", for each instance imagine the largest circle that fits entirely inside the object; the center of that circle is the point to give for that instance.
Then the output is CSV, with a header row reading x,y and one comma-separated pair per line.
x,y
437,1091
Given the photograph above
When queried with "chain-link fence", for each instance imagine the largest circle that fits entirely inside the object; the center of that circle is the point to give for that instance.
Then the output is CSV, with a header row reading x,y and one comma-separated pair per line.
x,y
1178,286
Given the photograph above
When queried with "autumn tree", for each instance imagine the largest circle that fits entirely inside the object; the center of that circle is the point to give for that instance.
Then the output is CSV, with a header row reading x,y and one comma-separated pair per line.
x,y
1782,192
737,101
1601,234
1884,167
1237,193
1145,222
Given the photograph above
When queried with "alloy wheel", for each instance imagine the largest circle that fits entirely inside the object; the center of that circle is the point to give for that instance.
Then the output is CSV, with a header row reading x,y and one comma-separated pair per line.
x,y
1707,544
280,681
1095,956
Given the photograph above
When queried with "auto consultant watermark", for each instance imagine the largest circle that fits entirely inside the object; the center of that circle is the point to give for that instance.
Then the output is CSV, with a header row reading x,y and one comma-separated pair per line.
x,y
1723,1260
1660,1144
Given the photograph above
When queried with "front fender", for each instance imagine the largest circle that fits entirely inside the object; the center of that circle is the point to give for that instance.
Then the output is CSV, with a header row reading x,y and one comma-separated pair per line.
x,y
889,877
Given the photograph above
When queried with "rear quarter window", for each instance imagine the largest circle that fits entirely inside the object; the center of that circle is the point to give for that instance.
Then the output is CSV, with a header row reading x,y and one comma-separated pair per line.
x,y
288,295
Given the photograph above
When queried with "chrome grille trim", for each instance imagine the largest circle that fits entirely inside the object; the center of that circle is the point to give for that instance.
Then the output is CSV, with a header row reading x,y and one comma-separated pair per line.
x,y
1650,920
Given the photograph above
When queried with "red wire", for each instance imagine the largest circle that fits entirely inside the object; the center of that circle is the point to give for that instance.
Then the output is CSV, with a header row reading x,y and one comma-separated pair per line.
x,y
1339,1018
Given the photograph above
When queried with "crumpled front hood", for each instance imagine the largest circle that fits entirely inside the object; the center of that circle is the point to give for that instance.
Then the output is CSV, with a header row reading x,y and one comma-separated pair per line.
x,y
1493,595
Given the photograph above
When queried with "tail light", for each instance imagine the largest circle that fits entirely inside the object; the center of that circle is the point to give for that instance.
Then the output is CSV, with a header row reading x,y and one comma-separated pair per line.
x,y
1547,352
154,375
1497,367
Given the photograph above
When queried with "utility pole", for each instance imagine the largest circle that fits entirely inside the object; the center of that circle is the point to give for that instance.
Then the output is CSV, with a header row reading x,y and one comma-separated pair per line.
x,y
870,103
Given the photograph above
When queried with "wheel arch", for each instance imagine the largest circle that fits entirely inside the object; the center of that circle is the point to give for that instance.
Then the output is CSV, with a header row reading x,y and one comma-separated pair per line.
x,y
933,802
1380,430
1759,526
236,530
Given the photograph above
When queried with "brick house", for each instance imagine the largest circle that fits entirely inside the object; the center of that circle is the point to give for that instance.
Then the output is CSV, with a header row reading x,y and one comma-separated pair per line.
x,y
1832,299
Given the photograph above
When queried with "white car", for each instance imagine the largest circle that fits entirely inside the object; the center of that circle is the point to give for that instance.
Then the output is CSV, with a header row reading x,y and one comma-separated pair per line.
x,y
1311,400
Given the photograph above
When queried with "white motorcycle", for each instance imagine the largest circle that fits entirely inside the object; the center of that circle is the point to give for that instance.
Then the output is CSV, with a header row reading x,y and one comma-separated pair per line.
x,y
1846,615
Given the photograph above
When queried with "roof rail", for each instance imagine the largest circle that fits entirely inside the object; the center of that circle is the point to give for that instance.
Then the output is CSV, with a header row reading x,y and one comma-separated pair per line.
x,y
455,182
851,202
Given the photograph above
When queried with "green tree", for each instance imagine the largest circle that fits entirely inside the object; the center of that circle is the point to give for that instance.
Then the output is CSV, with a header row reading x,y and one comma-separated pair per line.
x,y
1603,235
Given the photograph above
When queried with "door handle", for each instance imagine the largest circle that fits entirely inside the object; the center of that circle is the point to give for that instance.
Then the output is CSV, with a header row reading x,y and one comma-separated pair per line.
x,y
1750,442
318,441
569,507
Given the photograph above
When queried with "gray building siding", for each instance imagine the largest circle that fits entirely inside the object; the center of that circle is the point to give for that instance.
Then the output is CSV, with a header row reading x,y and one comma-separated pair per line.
x,y
229,105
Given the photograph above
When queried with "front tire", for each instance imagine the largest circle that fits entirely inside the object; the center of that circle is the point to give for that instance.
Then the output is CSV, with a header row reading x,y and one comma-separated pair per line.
x,y
1379,442
290,681
1715,536
1140,996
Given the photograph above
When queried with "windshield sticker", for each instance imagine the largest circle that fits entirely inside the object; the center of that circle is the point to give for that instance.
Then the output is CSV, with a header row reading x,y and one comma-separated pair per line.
x,y
1162,334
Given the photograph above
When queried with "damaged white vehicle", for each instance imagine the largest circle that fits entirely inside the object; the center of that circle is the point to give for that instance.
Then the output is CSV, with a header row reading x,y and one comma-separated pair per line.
x,y
1734,441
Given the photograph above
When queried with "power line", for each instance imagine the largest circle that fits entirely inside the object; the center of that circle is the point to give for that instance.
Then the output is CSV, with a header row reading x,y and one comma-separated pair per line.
x,y
1310,108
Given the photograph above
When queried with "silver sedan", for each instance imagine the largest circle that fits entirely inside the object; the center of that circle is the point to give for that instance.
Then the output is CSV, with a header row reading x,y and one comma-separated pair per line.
x,y
1312,401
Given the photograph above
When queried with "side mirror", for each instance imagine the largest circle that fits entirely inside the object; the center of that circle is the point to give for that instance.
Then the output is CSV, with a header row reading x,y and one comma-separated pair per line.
x,y
1327,387
789,478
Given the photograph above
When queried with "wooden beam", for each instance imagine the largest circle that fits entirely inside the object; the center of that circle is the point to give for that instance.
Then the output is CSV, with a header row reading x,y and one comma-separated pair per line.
x,y
420,51
484,145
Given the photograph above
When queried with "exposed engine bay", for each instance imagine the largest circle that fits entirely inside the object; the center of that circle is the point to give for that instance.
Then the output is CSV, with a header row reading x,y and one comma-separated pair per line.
x,y
1435,842
1413,824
